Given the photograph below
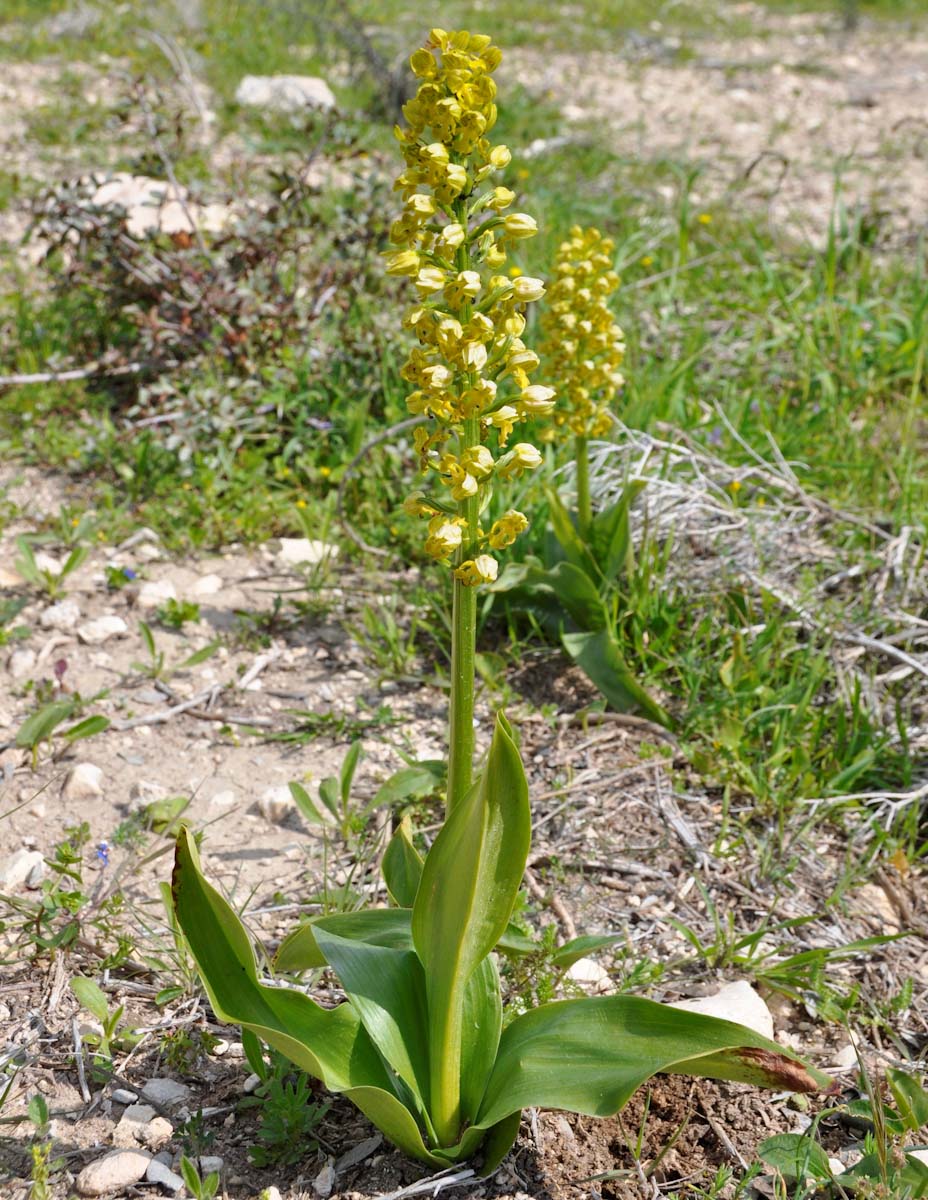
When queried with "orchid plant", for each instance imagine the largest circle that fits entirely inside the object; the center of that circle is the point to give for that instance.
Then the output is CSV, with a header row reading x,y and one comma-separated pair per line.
x,y
421,1043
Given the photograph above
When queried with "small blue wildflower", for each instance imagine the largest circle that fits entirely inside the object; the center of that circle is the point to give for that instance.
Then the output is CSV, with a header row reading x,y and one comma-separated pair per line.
x,y
103,853
129,573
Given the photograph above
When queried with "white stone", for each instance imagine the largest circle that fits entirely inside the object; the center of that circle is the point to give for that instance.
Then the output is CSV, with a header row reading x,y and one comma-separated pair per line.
x,y
156,1133
736,1002
21,662
590,975
296,552
223,799
124,1096
846,1058
251,1084
10,579
284,93
160,1173
101,629
155,205
210,1163
35,876
15,870
207,585
47,562
276,804
167,1093
837,1166
131,1124
83,783
113,1172
144,792
324,1183
64,616
156,592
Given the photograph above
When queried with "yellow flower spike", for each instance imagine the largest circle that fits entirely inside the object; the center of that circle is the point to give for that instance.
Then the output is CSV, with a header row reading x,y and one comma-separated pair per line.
x,y
507,529
520,225
445,537
526,289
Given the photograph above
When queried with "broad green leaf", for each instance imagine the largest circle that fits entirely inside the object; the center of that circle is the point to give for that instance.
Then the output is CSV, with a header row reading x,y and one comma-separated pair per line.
x,y
304,803
565,587
795,1156
299,951
610,534
402,867
163,815
387,989
199,656
589,1056
514,942
911,1098
91,997
410,783
565,956
346,774
329,794
469,885
573,545
40,725
482,1025
330,1044
579,596
599,656
86,728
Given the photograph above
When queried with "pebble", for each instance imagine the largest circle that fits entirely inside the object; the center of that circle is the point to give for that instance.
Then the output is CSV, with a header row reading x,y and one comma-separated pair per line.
x,y
167,1093
124,1096
296,552
144,792
358,1153
284,93
736,1002
251,1084
223,799
129,1131
324,1183
101,629
210,1163
158,1131
83,782
276,804
35,876
21,662
47,562
113,1172
590,975
64,616
17,869
160,1173
207,585
846,1059
156,592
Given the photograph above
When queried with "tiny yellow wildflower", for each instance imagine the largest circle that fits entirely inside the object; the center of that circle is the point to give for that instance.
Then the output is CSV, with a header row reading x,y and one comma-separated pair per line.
x,y
482,569
704,218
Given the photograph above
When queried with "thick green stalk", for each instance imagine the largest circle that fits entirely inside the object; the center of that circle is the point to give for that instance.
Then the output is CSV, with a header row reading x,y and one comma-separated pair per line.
x,y
463,639
445,1069
584,507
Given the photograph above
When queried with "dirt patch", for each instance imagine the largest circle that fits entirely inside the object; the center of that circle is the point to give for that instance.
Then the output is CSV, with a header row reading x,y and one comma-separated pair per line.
x,y
772,119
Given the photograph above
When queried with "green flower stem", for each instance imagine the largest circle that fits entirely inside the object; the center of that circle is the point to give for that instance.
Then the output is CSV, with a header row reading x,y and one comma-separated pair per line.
x,y
445,1070
584,507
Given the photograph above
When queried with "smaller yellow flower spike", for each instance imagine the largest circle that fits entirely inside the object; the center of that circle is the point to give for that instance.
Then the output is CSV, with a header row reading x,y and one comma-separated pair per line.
x,y
584,345
470,372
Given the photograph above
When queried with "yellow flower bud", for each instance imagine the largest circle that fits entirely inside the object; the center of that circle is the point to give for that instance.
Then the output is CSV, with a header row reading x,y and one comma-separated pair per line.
x,y
537,400
520,225
507,529
500,198
526,289
403,262
500,157
452,235
522,457
429,280
482,569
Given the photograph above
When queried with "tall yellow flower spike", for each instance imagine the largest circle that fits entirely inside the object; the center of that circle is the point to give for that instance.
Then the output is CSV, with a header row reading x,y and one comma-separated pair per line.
x,y
470,371
584,345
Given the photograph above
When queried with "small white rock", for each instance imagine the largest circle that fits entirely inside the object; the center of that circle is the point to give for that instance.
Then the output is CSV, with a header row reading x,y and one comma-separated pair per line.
x,y
223,799
736,1002
35,876
48,563
113,1172
155,592
161,1174
296,552
590,975
156,1133
131,1124
124,1096
837,1166
846,1058
251,1084
21,662
167,1093
83,783
324,1183
284,93
144,792
210,1163
64,616
15,870
276,804
101,629
207,585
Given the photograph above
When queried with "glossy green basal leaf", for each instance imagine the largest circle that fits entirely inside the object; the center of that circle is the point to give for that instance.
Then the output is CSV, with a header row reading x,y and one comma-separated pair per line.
x,y
299,951
564,587
599,656
330,1044
482,1025
610,534
469,884
589,1056
402,866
